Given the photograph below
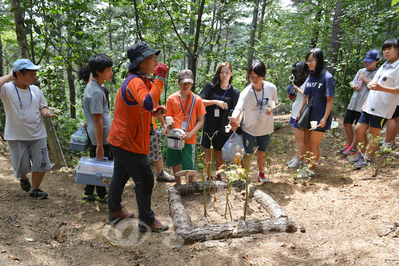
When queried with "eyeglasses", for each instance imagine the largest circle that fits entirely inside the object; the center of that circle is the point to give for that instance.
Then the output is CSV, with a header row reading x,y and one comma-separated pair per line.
x,y
253,76
311,61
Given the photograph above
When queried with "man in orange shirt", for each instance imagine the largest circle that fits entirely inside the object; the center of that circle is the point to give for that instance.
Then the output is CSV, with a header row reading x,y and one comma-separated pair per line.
x,y
178,106
129,136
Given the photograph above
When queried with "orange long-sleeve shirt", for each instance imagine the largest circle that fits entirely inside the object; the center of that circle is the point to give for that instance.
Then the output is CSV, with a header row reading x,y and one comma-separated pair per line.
x,y
130,128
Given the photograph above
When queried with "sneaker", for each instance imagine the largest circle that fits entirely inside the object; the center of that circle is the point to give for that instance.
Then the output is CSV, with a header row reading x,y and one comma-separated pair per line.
x,y
103,200
388,145
25,184
351,151
155,226
294,164
218,177
356,159
117,216
38,193
292,160
262,178
165,177
345,147
207,178
89,198
362,163
306,173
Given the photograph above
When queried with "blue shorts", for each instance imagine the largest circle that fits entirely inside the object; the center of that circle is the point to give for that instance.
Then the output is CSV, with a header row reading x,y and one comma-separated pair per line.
x,y
249,142
292,122
372,120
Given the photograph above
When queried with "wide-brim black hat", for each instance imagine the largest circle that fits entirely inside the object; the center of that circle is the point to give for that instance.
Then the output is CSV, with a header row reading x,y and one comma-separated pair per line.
x,y
138,53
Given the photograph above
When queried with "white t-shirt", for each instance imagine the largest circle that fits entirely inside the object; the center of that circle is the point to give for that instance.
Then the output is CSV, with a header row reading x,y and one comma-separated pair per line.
x,y
296,105
31,127
380,103
256,122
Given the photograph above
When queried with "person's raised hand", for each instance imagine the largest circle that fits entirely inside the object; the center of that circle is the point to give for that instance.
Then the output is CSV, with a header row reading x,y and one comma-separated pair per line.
x,y
161,70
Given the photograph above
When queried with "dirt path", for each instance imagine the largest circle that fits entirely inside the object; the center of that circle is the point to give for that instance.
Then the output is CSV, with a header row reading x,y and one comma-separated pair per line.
x,y
343,214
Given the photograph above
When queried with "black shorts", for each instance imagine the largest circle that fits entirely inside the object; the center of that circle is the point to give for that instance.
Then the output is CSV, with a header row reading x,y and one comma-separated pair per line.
x,y
396,113
351,116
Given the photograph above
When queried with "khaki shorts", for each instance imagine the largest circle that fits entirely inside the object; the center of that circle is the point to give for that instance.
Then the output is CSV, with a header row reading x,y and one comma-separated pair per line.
x,y
29,155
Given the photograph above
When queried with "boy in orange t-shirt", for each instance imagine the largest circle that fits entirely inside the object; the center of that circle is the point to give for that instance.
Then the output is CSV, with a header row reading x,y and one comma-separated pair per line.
x,y
178,106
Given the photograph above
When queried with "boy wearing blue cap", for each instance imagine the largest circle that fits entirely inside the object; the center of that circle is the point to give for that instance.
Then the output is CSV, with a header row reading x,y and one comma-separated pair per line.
x,y
24,103
359,96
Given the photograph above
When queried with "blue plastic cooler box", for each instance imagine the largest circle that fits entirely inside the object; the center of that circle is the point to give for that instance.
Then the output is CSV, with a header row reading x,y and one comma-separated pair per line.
x,y
79,140
92,171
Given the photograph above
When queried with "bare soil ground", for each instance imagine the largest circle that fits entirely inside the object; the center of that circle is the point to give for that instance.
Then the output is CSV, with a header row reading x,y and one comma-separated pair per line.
x,y
344,212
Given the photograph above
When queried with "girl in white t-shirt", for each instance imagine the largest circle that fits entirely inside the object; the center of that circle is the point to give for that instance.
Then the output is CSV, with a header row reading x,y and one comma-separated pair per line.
x,y
300,72
255,109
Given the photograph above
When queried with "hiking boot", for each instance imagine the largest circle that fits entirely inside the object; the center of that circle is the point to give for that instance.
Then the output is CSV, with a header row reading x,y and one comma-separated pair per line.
x,y
295,164
351,151
262,178
306,173
356,159
38,193
102,200
218,177
345,147
25,184
292,160
89,198
165,177
362,163
117,216
156,226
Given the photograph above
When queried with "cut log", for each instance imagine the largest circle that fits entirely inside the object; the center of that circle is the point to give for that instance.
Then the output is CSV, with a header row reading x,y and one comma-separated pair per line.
x,y
236,229
274,210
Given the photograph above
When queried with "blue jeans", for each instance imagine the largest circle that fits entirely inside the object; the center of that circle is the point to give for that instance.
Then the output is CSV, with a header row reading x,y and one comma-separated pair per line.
x,y
128,164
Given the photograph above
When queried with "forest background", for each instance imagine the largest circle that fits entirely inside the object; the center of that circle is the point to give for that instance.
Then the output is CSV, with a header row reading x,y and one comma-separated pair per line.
x,y
61,36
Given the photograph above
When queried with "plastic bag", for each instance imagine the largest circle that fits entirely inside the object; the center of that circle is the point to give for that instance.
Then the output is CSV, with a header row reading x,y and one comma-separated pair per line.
x,y
232,146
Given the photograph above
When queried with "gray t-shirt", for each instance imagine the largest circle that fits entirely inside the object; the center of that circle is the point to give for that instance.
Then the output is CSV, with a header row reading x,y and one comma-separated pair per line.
x,y
359,97
95,102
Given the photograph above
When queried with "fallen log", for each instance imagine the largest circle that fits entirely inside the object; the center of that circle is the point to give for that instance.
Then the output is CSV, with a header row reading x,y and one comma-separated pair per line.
x,y
180,217
236,229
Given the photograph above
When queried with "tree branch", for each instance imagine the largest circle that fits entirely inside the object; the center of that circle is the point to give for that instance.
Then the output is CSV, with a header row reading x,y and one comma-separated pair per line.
x,y
175,29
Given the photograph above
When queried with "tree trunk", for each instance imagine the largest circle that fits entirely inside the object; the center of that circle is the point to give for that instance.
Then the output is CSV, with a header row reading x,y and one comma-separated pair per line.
x,y
1,58
19,29
262,16
196,41
315,37
52,139
253,30
54,144
72,92
336,36
190,58
137,18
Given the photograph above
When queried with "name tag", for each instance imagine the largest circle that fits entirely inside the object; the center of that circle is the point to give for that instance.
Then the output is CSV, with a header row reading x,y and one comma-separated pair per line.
x,y
22,113
217,112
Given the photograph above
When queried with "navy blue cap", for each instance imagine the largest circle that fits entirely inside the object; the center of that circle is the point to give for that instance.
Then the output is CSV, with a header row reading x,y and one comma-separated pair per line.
x,y
371,56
